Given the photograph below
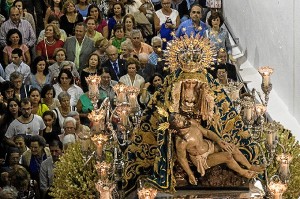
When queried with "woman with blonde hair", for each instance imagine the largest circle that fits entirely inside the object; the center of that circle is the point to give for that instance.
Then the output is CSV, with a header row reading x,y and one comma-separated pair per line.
x,y
51,41
101,46
70,18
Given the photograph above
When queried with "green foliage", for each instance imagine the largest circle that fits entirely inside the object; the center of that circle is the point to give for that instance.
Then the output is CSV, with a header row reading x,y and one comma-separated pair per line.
x,y
73,179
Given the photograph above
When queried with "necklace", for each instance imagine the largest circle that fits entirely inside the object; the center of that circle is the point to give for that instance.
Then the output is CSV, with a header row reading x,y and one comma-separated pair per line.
x,y
49,43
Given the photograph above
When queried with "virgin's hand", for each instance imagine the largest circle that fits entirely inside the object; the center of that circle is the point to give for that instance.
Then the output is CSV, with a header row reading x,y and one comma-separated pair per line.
x,y
192,180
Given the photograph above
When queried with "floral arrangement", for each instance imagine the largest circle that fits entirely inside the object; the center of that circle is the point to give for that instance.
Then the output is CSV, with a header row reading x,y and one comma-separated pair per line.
x,y
73,177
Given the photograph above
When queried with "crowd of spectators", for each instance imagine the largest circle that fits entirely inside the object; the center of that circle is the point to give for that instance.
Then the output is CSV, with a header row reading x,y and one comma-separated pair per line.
x,y
50,46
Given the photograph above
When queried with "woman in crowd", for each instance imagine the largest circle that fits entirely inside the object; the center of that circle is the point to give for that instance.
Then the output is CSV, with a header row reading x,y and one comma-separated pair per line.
x,y
11,112
91,69
150,87
132,6
101,46
55,8
118,11
39,73
65,82
118,37
51,131
126,49
63,110
106,86
82,7
48,97
20,179
7,91
70,18
53,19
101,25
37,106
128,24
14,40
166,12
91,32
60,56
217,35
51,41
132,78
80,128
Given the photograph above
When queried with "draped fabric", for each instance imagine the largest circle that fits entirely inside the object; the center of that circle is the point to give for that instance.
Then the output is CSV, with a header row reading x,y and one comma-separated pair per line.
x,y
151,155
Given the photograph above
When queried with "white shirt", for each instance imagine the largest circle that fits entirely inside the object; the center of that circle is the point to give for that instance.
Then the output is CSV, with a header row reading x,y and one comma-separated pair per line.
x,y
75,92
23,68
138,80
31,128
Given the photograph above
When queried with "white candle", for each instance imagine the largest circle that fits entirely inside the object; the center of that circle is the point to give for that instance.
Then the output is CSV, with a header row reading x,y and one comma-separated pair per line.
x,y
124,118
270,138
99,149
266,80
248,113
132,100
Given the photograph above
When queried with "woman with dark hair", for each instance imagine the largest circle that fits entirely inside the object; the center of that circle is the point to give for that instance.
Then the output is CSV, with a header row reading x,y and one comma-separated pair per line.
x,y
65,82
218,36
128,24
11,112
7,91
101,26
55,8
14,40
37,106
51,41
70,18
39,73
48,97
64,109
90,69
150,87
20,179
82,7
118,11
51,131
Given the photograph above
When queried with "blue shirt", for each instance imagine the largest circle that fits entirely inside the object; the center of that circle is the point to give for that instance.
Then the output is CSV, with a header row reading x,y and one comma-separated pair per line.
x,y
190,29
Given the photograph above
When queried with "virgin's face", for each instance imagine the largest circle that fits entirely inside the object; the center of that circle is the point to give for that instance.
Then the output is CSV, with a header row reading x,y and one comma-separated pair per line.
x,y
93,61
128,24
94,13
13,107
14,38
41,65
117,9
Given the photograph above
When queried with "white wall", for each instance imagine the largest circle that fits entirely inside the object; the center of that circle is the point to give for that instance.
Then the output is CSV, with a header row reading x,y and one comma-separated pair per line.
x,y
269,30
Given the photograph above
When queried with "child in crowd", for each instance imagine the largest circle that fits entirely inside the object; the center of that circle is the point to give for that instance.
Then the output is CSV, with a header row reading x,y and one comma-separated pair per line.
x,y
119,37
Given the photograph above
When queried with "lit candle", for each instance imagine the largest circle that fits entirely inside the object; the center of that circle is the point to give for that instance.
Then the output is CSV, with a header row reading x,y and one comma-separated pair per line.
x,y
121,97
123,116
270,138
235,94
132,100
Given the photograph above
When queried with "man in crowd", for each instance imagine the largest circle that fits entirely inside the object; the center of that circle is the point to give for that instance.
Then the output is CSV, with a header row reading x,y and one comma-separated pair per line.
x,y
23,26
194,25
18,65
79,47
146,70
138,45
117,67
47,166
28,123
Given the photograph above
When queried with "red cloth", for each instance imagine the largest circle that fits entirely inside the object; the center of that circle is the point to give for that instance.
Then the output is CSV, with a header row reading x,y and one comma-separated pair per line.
x,y
50,49
100,27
